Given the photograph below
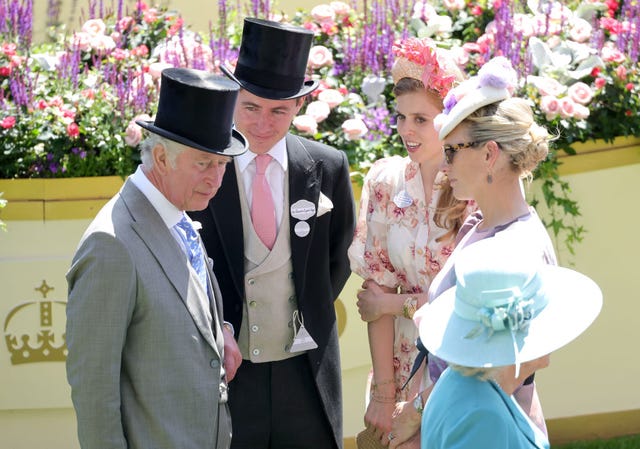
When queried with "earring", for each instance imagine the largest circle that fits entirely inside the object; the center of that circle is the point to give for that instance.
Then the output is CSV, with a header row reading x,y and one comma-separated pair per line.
x,y
489,178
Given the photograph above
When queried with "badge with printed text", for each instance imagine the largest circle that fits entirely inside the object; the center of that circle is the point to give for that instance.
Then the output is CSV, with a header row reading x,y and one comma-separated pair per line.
x,y
402,199
303,209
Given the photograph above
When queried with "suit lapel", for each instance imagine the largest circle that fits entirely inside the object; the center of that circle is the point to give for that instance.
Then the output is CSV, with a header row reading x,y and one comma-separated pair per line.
x,y
305,177
155,235
225,208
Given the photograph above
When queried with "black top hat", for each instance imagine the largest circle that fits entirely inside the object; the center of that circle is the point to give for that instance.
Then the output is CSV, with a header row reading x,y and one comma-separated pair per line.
x,y
273,60
196,110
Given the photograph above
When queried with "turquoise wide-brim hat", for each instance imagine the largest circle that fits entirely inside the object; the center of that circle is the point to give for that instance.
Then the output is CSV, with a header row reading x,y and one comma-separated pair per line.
x,y
507,306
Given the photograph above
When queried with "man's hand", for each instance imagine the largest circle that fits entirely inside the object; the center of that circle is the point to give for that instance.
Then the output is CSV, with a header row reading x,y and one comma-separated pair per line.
x,y
232,356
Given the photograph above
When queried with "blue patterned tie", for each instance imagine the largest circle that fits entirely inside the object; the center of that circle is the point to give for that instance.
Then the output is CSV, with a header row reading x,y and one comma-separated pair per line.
x,y
194,250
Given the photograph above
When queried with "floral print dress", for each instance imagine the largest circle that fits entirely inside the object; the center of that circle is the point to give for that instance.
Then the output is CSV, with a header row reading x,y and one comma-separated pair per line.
x,y
396,245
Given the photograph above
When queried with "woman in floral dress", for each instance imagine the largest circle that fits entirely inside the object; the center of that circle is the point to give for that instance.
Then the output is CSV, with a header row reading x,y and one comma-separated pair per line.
x,y
406,228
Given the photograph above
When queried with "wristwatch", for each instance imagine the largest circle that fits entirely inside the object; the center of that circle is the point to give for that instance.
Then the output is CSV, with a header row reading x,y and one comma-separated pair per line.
x,y
417,404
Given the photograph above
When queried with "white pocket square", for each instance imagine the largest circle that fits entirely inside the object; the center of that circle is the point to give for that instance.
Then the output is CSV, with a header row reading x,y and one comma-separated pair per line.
x,y
324,205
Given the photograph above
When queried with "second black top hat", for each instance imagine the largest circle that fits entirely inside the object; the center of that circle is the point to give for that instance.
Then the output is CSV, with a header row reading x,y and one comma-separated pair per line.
x,y
273,60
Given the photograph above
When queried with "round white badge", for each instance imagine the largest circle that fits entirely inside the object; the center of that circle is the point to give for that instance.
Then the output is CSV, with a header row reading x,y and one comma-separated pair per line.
x,y
302,229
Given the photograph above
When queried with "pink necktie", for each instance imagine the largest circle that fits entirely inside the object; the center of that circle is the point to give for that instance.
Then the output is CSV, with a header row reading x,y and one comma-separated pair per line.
x,y
263,212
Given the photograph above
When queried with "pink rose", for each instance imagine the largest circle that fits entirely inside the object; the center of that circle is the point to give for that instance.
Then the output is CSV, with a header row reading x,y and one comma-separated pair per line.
x,y
423,10
580,93
454,5
81,41
94,27
332,97
600,83
323,13
567,107
320,56
580,112
612,54
73,130
340,8
621,71
125,23
8,49
102,43
8,122
133,133
550,105
305,124
156,68
319,110
354,128
580,30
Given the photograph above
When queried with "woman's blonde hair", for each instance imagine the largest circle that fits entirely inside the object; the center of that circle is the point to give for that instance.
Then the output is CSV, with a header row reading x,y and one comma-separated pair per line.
x,y
450,212
510,123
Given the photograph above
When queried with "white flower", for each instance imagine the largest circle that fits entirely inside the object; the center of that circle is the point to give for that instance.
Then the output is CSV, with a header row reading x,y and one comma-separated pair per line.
x,y
332,97
354,128
305,124
319,110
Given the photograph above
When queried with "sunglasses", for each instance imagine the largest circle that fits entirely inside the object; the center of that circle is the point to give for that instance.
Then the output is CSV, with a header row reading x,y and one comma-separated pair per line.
x,y
451,150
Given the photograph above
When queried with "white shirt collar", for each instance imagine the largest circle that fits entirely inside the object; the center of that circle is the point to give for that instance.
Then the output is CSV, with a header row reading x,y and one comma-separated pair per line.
x,y
169,213
278,152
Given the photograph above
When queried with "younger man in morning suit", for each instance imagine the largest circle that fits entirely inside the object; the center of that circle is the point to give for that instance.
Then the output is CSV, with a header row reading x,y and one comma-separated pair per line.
x,y
279,237
149,357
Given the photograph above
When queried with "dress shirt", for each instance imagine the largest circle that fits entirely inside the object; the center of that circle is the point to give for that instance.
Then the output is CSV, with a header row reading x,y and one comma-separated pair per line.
x,y
274,174
169,213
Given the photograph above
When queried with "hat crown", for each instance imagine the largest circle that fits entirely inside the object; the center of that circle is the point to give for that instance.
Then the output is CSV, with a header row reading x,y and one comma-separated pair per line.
x,y
272,61
195,109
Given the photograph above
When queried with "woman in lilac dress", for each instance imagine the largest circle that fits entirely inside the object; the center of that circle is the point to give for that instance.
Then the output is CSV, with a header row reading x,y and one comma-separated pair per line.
x,y
491,142
406,229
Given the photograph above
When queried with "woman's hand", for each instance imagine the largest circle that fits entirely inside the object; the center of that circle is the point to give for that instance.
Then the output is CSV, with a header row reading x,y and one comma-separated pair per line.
x,y
378,416
405,424
372,300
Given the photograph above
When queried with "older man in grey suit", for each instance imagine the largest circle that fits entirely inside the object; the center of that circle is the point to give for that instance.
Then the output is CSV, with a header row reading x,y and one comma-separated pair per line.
x,y
148,360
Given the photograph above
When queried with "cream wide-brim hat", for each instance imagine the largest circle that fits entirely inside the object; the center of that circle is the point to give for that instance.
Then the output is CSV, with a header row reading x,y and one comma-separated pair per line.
x,y
491,274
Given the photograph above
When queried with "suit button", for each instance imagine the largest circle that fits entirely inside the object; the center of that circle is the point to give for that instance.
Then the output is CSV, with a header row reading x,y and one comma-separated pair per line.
x,y
256,352
215,364
254,328
251,281
291,275
252,304
292,299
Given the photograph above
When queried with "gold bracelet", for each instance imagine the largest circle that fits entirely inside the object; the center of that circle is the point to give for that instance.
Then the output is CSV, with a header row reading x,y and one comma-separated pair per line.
x,y
375,385
383,399
409,307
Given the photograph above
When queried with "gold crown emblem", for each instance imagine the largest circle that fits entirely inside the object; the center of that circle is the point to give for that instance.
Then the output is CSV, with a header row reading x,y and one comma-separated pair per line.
x,y
30,333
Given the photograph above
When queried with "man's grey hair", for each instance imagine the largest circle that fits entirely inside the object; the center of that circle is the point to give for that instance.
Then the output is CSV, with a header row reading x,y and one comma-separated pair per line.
x,y
173,150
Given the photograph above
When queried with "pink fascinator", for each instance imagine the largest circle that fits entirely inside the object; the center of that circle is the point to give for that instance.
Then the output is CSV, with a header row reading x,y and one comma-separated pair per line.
x,y
495,81
421,59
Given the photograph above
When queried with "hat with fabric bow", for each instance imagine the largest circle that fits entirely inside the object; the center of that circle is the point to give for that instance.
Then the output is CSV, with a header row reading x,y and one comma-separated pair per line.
x,y
495,81
507,307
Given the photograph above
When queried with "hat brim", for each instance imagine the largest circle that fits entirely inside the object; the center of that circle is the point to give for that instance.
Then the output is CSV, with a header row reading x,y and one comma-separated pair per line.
x,y
471,102
238,143
272,94
574,302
